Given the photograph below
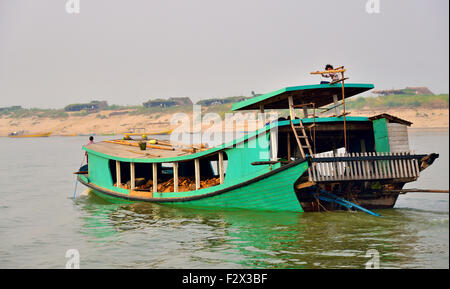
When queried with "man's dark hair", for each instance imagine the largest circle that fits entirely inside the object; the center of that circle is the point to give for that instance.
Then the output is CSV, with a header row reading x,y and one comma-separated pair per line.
x,y
328,66
91,138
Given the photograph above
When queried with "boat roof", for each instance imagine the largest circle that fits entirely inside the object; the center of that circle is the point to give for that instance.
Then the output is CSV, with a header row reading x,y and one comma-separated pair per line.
x,y
115,151
319,94
391,119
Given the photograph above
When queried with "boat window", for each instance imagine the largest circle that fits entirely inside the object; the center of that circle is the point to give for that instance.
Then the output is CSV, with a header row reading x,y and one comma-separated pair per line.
x,y
209,174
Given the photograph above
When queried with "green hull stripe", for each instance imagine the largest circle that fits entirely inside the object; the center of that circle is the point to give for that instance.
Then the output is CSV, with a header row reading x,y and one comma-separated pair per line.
x,y
275,193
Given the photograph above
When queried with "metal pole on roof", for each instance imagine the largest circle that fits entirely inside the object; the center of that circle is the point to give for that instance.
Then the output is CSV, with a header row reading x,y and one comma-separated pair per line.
x,y
343,104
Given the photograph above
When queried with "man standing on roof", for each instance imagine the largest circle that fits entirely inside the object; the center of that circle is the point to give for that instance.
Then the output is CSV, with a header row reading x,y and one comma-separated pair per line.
x,y
333,76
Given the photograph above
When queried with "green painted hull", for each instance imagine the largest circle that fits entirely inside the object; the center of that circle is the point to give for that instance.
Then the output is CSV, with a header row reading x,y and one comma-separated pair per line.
x,y
273,191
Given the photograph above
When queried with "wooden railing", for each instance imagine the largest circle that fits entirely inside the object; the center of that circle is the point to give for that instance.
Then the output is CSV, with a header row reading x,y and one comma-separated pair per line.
x,y
364,166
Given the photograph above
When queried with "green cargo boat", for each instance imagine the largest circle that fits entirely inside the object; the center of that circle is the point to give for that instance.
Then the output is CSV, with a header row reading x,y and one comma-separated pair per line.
x,y
306,163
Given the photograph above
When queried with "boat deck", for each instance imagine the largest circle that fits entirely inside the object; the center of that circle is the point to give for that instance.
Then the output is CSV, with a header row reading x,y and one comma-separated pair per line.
x,y
130,149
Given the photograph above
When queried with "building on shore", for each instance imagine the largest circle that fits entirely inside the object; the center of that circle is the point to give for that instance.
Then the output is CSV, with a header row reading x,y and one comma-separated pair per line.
x,y
408,91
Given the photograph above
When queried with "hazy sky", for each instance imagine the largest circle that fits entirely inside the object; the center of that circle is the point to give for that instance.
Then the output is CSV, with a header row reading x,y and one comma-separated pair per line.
x,y
128,51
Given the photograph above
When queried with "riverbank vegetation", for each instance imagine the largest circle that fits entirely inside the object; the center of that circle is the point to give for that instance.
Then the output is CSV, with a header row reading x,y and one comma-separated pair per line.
x,y
222,106
399,101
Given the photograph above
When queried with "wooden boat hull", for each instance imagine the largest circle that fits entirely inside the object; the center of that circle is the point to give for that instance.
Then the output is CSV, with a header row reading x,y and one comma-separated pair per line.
x,y
47,134
272,191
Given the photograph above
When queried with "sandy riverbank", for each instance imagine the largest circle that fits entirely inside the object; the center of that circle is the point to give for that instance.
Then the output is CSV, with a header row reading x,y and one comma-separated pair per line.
x,y
102,123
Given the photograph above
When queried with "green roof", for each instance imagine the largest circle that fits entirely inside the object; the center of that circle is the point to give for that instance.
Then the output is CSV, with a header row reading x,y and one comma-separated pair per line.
x,y
320,94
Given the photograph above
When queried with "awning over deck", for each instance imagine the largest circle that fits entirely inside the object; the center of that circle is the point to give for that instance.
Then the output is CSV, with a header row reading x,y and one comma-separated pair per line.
x,y
319,94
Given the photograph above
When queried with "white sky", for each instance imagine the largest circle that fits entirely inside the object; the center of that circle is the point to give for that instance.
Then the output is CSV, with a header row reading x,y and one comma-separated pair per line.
x,y
128,51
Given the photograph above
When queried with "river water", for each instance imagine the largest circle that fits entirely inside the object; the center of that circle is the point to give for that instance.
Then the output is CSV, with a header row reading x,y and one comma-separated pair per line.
x,y
39,222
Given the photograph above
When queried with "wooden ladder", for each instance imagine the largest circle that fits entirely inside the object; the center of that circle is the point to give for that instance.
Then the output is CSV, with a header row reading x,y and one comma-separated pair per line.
x,y
302,139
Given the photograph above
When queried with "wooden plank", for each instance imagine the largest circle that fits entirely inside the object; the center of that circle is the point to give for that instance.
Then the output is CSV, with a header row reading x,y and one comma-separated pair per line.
x,y
416,165
403,167
357,168
406,164
132,177
411,166
118,175
385,165
350,166
408,167
366,166
390,165
342,169
369,166
340,80
360,170
135,144
305,185
155,177
324,171
221,169
375,166
314,172
334,167
380,166
289,146
175,176
363,167
354,168
329,71
197,173
330,168
400,167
